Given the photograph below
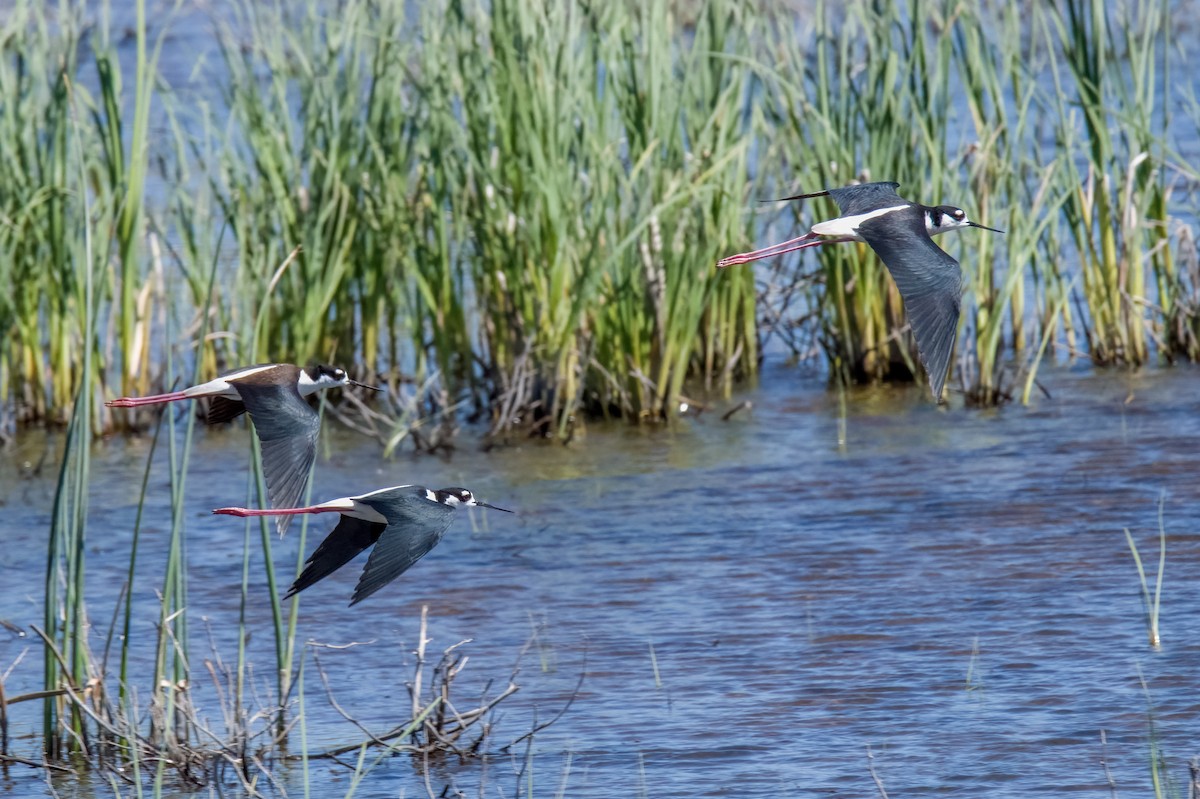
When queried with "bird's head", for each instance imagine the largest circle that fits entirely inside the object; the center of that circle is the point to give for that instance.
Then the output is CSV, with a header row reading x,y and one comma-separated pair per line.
x,y
461,497
326,376
941,218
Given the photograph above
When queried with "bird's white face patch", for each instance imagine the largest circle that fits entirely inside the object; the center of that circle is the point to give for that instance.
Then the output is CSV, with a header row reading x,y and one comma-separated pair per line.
x,y
452,498
848,225
307,385
946,222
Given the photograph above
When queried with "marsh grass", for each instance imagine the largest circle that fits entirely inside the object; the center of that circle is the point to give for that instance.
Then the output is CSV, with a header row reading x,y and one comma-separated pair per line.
x,y
861,102
957,103
39,221
523,207
517,208
1117,212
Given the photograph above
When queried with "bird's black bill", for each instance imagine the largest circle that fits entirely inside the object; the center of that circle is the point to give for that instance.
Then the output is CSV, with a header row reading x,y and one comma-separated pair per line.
x,y
985,227
364,385
479,504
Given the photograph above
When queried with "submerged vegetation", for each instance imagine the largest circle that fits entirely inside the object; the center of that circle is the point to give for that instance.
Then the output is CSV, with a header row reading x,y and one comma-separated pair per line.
x,y
512,210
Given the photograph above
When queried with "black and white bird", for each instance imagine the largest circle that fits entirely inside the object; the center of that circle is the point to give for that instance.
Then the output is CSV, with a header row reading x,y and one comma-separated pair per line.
x,y
899,231
402,522
287,426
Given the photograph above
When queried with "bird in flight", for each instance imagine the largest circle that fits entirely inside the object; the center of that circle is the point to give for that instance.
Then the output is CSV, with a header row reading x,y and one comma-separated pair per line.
x,y
286,425
402,522
900,232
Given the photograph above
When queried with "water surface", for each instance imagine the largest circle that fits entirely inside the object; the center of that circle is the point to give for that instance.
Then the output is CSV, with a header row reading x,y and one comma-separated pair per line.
x,y
815,576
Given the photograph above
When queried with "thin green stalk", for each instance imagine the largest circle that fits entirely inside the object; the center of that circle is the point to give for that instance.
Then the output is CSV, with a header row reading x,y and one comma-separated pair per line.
x,y
1150,604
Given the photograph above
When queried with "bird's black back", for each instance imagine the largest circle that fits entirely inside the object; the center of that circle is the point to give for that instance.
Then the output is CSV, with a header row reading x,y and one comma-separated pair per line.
x,y
853,200
415,525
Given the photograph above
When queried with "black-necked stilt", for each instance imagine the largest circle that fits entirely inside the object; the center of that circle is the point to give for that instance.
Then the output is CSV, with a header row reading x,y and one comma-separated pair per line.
x,y
402,522
286,425
899,231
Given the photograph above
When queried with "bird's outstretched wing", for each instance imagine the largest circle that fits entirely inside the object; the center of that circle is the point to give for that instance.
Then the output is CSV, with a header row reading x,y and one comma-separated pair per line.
x,y
287,429
415,525
929,280
350,537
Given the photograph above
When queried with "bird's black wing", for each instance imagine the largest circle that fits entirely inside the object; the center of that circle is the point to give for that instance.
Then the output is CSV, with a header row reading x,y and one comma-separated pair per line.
x,y
929,280
415,525
287,428
853,200
223,409
350,537
860,199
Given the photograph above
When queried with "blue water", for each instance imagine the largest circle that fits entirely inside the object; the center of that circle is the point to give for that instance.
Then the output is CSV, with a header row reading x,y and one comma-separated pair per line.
x,y
951,588
751,604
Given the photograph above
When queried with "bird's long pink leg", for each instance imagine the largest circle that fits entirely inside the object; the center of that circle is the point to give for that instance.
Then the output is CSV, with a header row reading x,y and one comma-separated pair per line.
x,y
754,255
800,243
275,511
133,402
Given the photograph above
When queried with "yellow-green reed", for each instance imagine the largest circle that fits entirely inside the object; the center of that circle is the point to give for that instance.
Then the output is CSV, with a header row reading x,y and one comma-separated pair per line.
x,y
37,268
956,102
606,155
518,204
868,98
525,188
1116,207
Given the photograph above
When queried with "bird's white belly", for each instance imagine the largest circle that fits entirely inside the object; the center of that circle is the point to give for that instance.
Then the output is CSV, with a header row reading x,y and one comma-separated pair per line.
x,y
847,226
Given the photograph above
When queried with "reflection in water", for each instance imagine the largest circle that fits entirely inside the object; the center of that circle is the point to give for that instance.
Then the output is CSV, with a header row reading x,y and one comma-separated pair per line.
x,y
756,601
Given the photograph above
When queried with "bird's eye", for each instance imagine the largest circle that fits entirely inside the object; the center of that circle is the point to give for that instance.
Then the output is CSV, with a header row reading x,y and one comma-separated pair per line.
x,y
959,213
339,373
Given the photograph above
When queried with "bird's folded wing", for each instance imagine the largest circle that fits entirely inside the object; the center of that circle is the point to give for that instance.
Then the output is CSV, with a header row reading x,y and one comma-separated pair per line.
x,y
929,280
415,525
350,537
287,430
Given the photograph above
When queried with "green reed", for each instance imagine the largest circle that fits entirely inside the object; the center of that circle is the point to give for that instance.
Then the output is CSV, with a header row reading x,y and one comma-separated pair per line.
x,y
126,176
66,655
874,94
42,355
604,159
524,204
516,205
36,263
1003,100
869,98
1116,208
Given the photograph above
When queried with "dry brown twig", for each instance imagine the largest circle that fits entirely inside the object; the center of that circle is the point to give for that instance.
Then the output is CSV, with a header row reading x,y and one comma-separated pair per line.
x,y
435,725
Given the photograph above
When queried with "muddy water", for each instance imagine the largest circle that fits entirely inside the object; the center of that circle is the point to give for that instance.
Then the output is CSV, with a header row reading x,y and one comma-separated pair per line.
x,y
751,603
